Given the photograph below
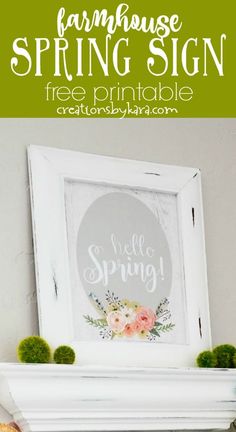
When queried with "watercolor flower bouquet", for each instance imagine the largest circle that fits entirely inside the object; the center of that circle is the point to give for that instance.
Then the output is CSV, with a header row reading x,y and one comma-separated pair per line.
x,y
125,318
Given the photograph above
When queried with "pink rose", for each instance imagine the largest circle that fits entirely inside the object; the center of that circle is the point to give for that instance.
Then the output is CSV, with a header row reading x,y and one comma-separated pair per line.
x,y
116,321
146,318
137,327
129,329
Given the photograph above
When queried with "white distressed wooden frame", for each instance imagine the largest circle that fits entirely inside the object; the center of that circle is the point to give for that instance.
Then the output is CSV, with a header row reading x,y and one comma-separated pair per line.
x,y
48,169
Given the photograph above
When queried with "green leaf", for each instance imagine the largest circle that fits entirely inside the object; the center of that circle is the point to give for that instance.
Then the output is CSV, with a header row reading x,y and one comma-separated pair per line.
x,y
161,328
155,332
157,324
166,327
99,323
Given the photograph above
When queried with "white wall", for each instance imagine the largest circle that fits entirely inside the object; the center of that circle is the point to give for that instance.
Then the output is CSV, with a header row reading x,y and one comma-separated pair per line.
x,y
207,144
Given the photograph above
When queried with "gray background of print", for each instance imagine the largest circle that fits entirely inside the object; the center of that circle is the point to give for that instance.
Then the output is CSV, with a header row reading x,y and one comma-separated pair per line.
x,y
123,215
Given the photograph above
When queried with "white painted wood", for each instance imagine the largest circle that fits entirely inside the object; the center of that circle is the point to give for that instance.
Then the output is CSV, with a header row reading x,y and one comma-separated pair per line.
x,y
46,398
48,170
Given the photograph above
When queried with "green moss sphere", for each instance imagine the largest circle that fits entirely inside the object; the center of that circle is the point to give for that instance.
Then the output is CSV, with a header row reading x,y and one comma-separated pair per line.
x,y
225,355
206,359
234,360
34,349
64,355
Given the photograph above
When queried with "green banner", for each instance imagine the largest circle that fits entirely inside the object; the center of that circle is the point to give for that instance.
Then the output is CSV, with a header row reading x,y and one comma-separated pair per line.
x,y
118,59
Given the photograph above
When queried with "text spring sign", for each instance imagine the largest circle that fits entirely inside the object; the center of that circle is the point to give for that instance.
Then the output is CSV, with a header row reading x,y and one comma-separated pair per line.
x,y
158,62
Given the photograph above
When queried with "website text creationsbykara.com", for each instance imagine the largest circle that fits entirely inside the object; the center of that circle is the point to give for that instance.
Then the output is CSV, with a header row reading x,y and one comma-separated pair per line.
x,y
111,110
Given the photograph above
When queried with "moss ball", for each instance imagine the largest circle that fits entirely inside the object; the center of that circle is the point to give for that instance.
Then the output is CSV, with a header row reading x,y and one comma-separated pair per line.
x,y
234,360
206,359
64,355
34,349
225,355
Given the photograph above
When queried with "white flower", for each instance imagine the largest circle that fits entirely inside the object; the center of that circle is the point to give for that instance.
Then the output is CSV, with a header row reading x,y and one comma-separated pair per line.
x,y
116,321
129,314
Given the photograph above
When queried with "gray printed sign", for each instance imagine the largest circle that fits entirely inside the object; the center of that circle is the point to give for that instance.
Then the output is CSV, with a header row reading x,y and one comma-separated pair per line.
x,y
125,264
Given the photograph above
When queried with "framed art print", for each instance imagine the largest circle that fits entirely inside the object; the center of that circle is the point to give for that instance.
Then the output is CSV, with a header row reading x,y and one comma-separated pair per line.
x,y
120,258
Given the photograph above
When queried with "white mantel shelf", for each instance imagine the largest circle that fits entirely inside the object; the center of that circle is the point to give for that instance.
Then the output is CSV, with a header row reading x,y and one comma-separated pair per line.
x,y
45,398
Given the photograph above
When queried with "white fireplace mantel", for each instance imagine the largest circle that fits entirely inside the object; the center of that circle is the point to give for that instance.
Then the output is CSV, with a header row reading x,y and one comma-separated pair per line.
x,y
45,398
